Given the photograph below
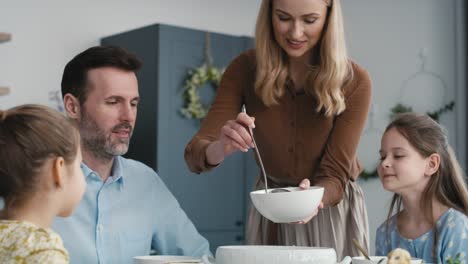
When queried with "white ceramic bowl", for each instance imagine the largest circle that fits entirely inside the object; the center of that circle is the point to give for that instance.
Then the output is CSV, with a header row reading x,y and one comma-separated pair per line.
x,y
276,255
160,259
287,207
375,260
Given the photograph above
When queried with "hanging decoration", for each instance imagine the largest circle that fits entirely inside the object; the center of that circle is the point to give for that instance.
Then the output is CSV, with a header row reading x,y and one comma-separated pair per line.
x,y
402,108
436,78
198,78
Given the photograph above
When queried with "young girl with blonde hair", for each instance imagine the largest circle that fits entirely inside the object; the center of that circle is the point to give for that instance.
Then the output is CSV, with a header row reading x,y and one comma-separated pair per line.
x,y
431,196
40,178
310,104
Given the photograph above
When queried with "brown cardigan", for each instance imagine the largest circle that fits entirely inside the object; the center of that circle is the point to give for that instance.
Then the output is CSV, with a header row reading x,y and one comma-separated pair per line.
x,y
295,141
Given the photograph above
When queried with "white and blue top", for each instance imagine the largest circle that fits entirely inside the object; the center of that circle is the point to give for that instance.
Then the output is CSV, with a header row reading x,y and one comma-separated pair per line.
x,y
452,229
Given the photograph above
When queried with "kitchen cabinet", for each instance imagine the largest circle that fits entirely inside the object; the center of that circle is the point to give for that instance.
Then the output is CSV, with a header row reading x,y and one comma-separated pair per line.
x,y
215,201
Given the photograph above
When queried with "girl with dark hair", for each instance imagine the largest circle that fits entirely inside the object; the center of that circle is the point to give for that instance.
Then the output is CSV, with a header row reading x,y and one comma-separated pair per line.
x,y
431,196
40,178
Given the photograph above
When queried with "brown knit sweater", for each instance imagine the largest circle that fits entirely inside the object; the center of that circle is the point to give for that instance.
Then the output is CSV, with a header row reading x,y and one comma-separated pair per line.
x,y
295,141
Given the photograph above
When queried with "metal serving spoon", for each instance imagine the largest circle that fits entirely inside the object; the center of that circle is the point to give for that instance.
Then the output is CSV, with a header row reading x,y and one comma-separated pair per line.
x,y
244,110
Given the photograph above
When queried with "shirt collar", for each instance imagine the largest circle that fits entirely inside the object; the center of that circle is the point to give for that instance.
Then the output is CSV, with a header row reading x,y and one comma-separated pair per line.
x,y
116,171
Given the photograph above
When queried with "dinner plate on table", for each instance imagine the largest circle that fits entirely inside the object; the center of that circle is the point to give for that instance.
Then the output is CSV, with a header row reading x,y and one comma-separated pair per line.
x,y
166,260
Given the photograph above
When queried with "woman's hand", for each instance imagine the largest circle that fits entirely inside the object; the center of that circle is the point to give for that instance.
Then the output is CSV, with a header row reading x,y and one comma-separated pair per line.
x,y
234,136
305,184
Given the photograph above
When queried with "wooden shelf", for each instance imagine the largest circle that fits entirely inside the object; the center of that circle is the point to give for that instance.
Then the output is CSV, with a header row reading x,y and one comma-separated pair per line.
x,y
4,91
4,37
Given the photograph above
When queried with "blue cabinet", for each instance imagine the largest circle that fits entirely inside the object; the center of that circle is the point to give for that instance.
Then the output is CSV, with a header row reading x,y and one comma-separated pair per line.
x,y
215,201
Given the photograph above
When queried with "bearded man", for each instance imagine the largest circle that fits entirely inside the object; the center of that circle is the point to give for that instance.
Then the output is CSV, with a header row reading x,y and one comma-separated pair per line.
x,y
127,210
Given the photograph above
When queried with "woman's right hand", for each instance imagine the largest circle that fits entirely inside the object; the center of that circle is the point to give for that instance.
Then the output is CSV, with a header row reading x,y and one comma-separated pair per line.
x,y
234,136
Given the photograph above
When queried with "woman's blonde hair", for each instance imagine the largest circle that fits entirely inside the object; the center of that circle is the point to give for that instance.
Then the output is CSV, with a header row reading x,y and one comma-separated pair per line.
x,y
448,184
325,79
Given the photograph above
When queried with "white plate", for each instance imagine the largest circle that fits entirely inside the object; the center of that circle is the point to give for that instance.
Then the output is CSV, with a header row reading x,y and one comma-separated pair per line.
x,y
164,259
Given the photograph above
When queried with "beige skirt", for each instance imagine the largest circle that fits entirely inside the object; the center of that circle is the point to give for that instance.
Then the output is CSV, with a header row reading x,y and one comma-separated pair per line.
x,y
332,227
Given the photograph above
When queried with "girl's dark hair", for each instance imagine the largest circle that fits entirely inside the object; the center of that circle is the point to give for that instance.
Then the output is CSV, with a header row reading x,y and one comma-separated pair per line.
x,y
29,135
448,184
75,73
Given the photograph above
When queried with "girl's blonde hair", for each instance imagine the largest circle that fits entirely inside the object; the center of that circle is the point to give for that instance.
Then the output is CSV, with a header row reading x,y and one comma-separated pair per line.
x,y
448,184
325,79
29,136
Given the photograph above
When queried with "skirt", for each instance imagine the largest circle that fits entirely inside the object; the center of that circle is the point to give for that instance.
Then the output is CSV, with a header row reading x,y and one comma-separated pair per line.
x,y
333,227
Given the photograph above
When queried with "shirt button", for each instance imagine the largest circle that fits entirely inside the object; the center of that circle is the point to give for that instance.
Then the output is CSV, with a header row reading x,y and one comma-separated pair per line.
x,y
292,123
100,228
290,149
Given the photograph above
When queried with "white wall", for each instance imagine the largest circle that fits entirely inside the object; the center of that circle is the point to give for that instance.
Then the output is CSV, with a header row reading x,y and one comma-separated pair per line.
x,y
47,34
383,36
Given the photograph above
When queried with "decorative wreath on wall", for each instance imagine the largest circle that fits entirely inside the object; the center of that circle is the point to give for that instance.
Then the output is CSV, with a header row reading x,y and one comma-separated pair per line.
x,y
197,78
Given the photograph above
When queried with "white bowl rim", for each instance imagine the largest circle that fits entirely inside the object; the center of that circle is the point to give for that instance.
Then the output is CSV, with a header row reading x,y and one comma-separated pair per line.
x,y
293,189
259,247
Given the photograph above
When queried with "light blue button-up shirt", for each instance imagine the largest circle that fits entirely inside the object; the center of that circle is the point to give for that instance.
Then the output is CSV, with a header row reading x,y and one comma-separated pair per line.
x,y
126,216
452,229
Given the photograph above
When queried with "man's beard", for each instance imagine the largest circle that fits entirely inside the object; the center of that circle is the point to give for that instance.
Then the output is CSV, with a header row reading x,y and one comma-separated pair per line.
x,y
99,142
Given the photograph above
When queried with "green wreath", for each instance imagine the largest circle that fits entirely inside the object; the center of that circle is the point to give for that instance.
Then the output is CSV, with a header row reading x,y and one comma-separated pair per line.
x,y
197,78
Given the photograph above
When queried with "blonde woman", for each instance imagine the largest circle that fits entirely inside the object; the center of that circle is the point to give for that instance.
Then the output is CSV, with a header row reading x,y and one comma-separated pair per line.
x,y
306,98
